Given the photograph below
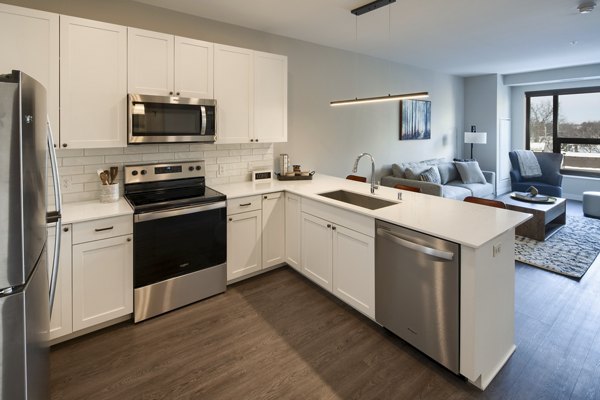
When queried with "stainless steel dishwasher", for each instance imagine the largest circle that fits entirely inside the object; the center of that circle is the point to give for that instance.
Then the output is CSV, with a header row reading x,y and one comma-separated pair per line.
x,y
417,290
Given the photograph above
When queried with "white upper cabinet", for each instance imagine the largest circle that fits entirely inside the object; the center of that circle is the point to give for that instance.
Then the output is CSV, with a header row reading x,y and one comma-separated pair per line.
x,y
93,83
29,40
251,94
162,64
194,68
270,97
233,92
151,62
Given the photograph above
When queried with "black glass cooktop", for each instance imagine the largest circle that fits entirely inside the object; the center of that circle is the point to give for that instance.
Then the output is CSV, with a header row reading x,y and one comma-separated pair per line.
x,y
173,197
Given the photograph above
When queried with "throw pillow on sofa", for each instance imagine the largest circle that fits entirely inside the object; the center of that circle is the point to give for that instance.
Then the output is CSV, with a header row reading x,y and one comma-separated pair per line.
x,y
430,175
414,172
447,172
470,172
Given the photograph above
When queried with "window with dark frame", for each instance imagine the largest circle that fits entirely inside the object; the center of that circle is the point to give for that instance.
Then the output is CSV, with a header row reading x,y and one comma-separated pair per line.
x,y
566,121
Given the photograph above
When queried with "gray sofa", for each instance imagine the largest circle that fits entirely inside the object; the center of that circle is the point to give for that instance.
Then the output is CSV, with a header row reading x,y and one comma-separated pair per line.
x,y
451,185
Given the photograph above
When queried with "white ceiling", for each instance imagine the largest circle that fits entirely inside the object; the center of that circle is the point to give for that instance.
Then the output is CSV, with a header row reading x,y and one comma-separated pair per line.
x,y
461,37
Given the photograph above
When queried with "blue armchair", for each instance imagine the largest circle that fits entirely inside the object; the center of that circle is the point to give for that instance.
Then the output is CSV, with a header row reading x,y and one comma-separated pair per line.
x,y
550,183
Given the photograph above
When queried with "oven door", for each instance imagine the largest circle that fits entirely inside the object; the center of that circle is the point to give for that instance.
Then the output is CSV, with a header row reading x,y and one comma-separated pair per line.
x,y
176,242
165,119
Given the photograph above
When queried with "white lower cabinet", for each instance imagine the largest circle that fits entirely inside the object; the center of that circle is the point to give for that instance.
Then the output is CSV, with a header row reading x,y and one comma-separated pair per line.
x,y
293,221
316,250
102,280
244,229
354,269
273,232
61,322
337,257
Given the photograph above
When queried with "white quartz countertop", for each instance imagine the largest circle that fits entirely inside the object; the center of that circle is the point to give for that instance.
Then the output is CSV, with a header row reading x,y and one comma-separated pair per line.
x,y
468,224
91,210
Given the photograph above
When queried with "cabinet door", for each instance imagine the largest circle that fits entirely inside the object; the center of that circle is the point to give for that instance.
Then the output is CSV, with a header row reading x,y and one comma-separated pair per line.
x,y
292,231
243,244
316,250
354,269
270,97
193,68
233,92
61,322
150,58
102,281
29,41
273,236
93,84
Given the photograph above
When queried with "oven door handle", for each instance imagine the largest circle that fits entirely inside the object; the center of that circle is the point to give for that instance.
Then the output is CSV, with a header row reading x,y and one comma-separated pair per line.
x,y
177,212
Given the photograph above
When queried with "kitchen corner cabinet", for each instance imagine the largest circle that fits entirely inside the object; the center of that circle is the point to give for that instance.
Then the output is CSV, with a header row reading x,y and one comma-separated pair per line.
x,y
340,258
244,229
102,271
61,322
273,229
93,84
251,92
29,40
163,65
293,221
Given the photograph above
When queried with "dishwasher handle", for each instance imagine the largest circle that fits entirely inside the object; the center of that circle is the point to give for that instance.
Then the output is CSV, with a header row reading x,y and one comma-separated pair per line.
x,y
446,255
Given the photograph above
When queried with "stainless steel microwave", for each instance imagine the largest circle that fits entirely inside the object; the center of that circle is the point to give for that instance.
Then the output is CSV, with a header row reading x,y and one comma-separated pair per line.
x,y
171,119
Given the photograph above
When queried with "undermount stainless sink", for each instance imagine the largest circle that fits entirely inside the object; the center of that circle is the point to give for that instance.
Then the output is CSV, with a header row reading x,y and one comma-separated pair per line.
x,y
372,203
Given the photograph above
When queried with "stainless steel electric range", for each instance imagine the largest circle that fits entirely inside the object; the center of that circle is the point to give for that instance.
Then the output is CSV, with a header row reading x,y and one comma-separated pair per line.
x,y
179,234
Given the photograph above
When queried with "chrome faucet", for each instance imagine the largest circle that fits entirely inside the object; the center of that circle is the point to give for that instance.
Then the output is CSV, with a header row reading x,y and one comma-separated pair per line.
x,y
373,185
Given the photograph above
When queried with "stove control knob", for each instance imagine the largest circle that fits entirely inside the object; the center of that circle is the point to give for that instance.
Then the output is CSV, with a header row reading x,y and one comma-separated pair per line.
x,y
198,168
134,172
191,168
144,172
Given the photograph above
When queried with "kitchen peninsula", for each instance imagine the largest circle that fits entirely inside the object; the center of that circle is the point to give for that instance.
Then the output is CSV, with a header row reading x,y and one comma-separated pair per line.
x,y
485,236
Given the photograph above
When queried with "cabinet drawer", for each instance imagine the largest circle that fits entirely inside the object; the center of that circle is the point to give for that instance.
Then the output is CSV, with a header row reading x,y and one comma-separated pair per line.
x,y
243,204
102,229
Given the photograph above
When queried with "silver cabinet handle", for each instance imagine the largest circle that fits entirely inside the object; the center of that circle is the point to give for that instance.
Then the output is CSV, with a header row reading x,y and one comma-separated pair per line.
x,y
446,255
104,229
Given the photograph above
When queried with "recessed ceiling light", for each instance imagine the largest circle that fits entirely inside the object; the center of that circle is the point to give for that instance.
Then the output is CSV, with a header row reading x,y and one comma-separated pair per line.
x,y
573,42
586,7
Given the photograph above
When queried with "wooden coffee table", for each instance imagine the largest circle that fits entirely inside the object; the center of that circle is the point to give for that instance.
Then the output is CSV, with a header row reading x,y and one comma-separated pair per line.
x,y
547,219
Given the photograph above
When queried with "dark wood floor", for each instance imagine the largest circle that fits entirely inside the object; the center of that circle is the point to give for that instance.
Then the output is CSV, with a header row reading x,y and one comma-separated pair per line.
x,y
278,336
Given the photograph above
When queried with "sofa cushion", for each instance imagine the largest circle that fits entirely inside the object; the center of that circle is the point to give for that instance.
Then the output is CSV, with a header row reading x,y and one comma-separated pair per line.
x,y
470,172
455,192
447,172
475,189
431,174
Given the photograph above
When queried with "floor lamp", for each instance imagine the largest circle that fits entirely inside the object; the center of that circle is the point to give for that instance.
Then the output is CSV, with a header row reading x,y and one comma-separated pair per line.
x,y
475,137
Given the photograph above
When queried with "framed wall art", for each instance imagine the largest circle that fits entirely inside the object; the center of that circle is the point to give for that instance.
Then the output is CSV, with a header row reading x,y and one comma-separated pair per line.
x,y
415,119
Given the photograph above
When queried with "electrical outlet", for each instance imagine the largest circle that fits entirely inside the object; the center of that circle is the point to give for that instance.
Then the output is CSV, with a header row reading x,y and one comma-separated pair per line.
x,y
496,249
221,169
66,182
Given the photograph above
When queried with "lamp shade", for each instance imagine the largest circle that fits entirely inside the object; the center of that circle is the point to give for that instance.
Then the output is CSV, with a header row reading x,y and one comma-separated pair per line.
x,y
476,137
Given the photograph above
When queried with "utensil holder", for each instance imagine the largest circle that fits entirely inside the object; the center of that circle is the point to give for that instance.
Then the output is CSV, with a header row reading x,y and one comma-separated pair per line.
x,y
109,193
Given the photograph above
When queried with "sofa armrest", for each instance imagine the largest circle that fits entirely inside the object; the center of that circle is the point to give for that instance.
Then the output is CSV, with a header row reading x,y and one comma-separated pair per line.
x,y
426,187
490,177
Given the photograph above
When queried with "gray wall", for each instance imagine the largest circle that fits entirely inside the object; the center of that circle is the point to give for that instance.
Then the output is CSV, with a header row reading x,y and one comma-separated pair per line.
x,y
320,137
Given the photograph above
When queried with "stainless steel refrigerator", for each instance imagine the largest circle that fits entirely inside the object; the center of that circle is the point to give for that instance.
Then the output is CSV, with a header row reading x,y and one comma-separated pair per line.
x,y
25,295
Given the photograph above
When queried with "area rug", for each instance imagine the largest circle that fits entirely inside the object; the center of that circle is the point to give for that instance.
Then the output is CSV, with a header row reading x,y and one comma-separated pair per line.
x,y
570,251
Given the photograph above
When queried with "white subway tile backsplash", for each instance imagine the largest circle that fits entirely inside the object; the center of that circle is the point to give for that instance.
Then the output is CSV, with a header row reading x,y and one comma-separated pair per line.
x,y
81,183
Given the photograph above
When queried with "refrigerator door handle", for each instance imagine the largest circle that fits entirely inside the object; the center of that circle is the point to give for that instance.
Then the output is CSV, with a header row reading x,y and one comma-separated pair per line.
x,y
56,216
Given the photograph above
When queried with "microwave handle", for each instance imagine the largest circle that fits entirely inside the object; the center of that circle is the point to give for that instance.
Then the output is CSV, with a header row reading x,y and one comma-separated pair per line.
x,y
203,129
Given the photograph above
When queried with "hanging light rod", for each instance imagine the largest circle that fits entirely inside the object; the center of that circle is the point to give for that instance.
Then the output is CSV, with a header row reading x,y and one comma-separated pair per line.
x,y
380,99
371,6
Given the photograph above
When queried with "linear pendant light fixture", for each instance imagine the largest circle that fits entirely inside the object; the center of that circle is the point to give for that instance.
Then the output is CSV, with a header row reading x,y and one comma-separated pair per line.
x,y
379,99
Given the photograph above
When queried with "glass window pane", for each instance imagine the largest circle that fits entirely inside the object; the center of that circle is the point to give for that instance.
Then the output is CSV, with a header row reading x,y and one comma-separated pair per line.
x,y
540,123
582,157
579,115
